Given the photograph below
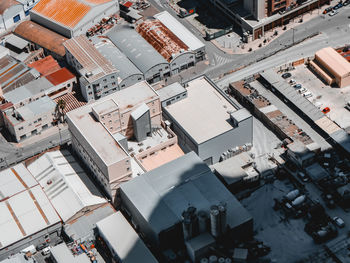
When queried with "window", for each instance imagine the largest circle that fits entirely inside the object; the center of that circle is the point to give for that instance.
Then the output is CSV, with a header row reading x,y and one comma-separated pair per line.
x,y
123,85
20,128
39,119
113,83
68,85
112,77
26,13
16,18
139,79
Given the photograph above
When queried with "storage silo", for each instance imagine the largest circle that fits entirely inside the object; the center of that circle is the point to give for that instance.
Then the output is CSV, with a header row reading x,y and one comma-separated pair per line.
x,y
214,221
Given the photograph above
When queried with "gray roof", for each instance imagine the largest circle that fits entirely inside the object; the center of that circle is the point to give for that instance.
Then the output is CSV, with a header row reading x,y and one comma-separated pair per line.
x,y
124,240
28,90
241,115
16,41
38,107
316,172
342,138
124,66
136,48
292,95
139,111
170,91
62,254
169,189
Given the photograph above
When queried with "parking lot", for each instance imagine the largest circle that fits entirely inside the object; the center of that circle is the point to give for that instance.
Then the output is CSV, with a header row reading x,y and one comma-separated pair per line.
x,y
323,95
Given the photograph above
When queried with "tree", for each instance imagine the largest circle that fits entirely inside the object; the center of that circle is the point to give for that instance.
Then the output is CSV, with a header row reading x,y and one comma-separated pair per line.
x,y
61,104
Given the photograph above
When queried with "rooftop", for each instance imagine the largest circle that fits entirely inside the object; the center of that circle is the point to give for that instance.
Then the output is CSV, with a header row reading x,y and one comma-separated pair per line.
x,y
89,58
65,183
168,189
124,240
24,207
45,66
137,49
5,4
170,91
35,108
337,63
63,254
161,38
16,41
42,36
179,30
60,76
205,113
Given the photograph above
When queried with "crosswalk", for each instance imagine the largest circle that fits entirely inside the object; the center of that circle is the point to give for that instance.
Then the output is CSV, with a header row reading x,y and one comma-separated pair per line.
x,y
219,60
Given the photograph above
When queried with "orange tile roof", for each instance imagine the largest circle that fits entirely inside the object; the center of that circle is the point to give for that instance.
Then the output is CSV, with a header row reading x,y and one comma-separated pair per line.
x,y
45,66
60,76
97,1
66,12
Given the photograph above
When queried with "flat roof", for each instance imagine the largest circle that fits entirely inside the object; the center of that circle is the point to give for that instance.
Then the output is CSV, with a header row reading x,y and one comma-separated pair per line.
x,y
89,58
167,190
24,207
180,31
62,254
124,240
38,107
45,66
170,91
65,183
136,48
204,113
336,63
60,76
16,41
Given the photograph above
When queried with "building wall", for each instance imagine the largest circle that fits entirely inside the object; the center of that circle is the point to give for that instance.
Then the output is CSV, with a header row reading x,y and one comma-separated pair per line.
x,y
256,8
131,80
62,88
64,31
238,136
11,14
182,62
36,239
157,73
174,99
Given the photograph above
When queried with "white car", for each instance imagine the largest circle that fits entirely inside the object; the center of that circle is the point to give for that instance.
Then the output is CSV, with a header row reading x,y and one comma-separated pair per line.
x,y
338,221
307,94
333,13
303,90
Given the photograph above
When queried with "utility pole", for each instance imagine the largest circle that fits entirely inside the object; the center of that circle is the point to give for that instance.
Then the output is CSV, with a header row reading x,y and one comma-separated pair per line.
x,y
293,35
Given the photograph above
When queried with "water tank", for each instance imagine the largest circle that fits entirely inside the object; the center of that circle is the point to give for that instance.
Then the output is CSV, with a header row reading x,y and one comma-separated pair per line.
x,y
223,215
186,225
213,259
204,260
214,221
299,200
202,221
194,221
221,260
228,260
292,194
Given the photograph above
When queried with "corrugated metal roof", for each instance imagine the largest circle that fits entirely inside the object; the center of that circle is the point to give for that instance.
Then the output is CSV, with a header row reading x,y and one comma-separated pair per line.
x,y
42,36
45,66
60,76
38,107
124,240
65,12
65,183
137,49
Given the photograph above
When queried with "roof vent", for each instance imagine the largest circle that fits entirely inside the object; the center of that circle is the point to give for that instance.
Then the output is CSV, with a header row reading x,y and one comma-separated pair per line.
x,y
88,74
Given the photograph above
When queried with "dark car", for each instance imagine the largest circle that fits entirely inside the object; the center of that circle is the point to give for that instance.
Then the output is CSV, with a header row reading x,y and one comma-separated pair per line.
x,y
346,3
337,6
286,75
327,10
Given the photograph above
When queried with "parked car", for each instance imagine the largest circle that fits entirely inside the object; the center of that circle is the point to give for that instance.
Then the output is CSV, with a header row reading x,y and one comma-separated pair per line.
x,y
308,94
326,110
346,3
286,75
340,5
46,251
303,90
333,13
327,10
338,221
297,86
303,177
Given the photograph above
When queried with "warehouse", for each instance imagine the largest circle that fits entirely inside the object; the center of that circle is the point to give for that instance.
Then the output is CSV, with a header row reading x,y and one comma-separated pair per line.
x,y
156,200
153,66
332,67
123,242
26,215
191,41
72,18
207,122
128,73
167,44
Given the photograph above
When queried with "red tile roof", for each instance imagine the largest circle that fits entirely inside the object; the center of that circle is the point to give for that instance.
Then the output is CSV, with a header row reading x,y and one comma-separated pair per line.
x,y
60,76
45,66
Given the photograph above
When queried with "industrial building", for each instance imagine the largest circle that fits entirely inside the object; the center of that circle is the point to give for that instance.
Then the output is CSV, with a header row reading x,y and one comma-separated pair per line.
x,y
26,215
332,67
42,37
67,186
30,119
128,73
153,66
128,123
98,77
181,32
72,18
255,17
207,122
167,44
122,240
163,205
62,254
171,94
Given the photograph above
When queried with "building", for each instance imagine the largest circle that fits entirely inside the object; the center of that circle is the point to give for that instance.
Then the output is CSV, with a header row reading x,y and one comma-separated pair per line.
x,y
30,119
172,93
300,154
42,37
62,254
72,18
4,51
11,12
156,200
181,32
152,65
255,17
122,240
98,77
63,81
167,44
45,66
332,67
128,73
67,186
207,122
26,215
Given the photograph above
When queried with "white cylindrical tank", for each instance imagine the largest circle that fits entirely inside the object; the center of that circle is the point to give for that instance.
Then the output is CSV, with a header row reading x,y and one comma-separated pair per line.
x,y
202,221
213,259
228,260
223,215
292,194
221,260
299,200
204,260
214,221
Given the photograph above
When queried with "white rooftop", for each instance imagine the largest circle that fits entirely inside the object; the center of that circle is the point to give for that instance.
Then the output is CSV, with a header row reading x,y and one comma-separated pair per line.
x,y
205,113
62,254
180,31
24,207
65,183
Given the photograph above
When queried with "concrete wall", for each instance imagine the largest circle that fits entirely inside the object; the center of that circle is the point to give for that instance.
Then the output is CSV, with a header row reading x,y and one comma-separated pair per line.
x,y
256,8
157,73
65,31
131,80
62,88
9,15
182,62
